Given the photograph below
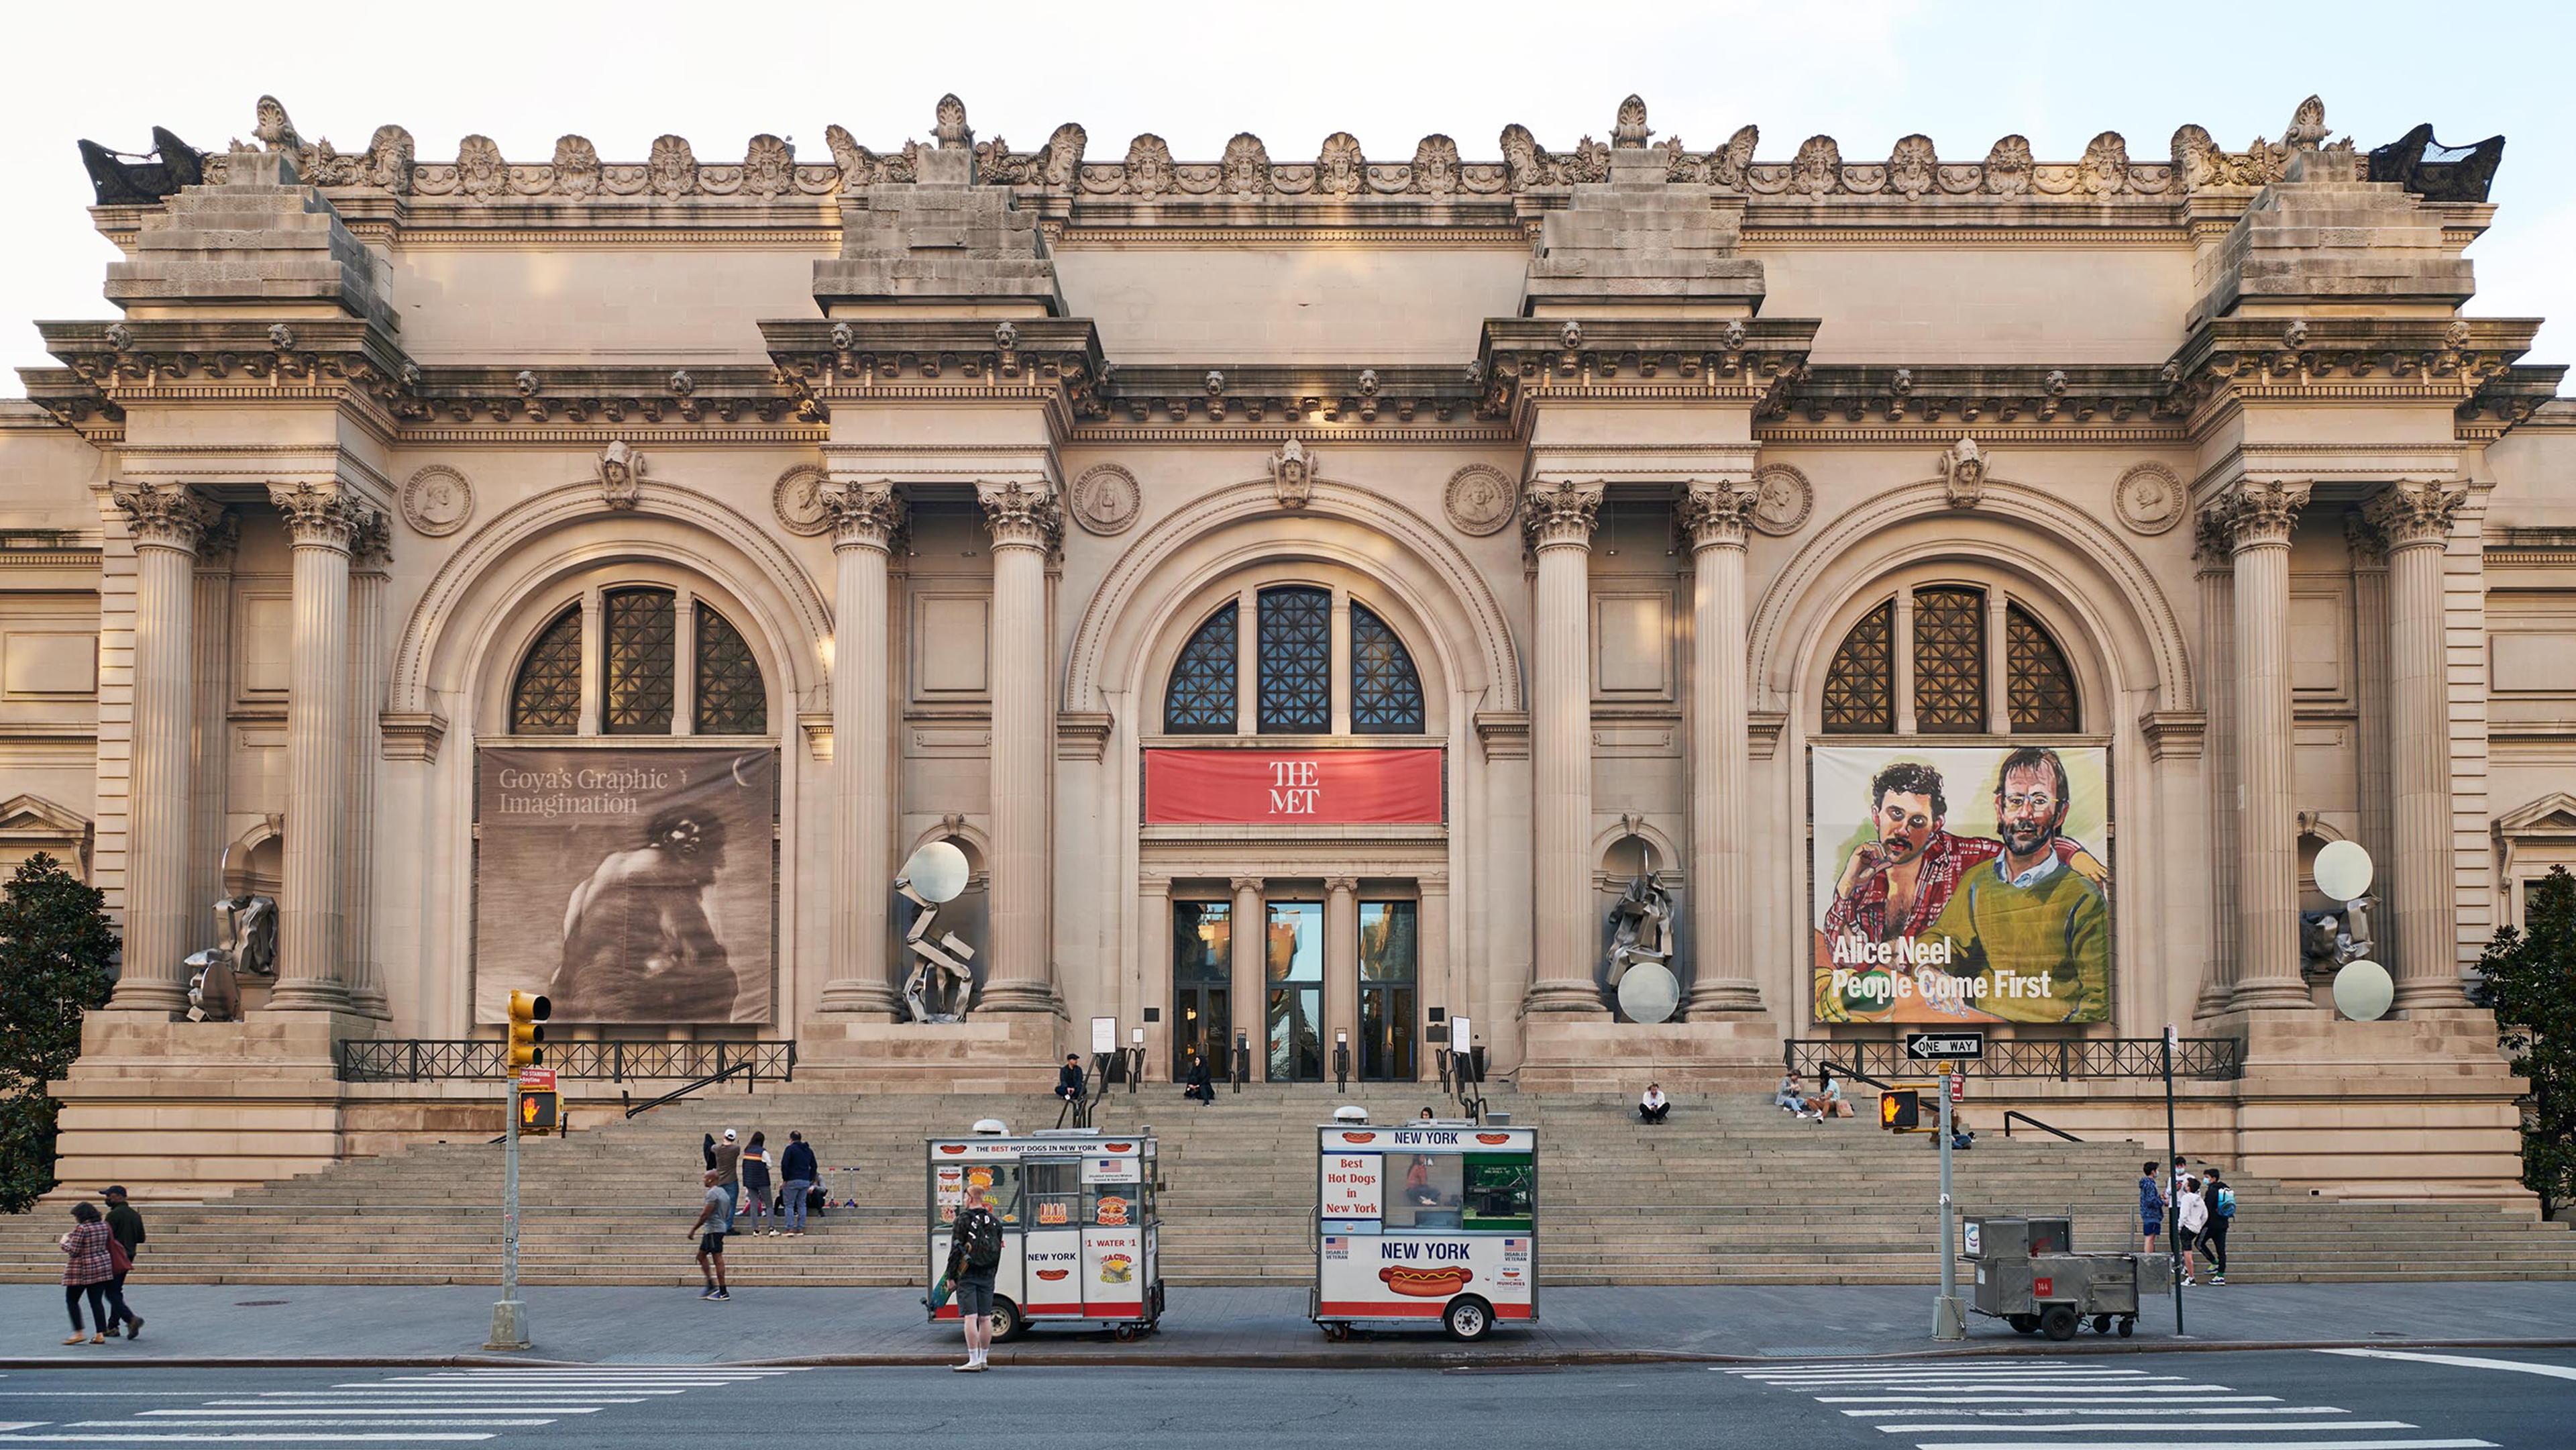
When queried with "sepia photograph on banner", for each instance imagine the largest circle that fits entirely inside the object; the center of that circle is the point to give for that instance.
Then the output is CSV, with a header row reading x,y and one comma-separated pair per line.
x,y
628,886
1962,884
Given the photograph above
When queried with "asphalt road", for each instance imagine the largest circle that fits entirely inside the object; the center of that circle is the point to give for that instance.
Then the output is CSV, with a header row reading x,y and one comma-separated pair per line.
x,y
2259,1400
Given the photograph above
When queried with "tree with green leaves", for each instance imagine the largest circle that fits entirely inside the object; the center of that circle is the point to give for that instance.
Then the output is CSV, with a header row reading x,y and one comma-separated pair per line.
x,y
2528,976
55,946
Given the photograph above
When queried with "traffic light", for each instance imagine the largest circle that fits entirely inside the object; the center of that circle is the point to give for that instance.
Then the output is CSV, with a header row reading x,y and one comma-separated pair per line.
x,y
527,1009
1900,1110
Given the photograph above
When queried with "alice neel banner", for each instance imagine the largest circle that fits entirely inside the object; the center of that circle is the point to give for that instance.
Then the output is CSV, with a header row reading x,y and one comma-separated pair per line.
x,y
627,885
1970,884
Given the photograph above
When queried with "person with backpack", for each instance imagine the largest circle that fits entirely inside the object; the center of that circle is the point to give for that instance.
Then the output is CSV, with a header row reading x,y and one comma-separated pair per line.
x,y
755,1185
797,1167
2191,1215
2222,1212
125,1226
974,1258
2151,1205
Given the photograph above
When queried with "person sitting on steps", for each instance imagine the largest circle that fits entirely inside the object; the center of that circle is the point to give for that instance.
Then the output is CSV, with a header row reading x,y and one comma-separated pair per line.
x,y
1654,1107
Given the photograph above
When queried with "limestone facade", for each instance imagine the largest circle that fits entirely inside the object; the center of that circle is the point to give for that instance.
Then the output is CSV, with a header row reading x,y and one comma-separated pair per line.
x,y
1620,445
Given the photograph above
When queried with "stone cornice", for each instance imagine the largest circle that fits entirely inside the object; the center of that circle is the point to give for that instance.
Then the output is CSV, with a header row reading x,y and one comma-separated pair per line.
x,y
1612,360
2370,361
108,366
1055,362
1981,394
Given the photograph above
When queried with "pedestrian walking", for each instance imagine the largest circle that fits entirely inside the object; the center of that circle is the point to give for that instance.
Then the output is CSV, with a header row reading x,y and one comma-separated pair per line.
x,y
796,1166
755,1184
728,1171
1199,1086
88,1268
2151,1205
2222,1213
715,1220
1653,1106
2191,1214
125,1226
974,1257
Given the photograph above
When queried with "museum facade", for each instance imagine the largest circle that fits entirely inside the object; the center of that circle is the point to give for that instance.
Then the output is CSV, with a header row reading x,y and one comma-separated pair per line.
x,y
1322,597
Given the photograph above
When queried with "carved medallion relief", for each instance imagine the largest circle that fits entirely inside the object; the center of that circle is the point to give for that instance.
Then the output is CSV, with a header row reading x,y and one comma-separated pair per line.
x,y
1481,500
437,501
797,498
2149,499
1782,500
1105,499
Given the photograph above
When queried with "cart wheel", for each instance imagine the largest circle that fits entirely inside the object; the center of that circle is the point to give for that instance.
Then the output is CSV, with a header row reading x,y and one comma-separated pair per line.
x,y
2101,1323
1124,1333
1467,1319
1336,1333
1008,1322
2128,1326
2059,1321
2024,1323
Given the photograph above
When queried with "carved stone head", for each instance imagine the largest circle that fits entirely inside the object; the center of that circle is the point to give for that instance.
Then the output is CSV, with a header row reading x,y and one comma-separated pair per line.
x,y
1149,166
1523,162
672,168
621,471
1245,168
1064,155
1963,473
1341,170
1292,474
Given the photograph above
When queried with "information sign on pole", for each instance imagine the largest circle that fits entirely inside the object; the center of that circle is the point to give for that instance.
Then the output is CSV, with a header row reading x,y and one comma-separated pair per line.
x,y
536,1079
1104,1035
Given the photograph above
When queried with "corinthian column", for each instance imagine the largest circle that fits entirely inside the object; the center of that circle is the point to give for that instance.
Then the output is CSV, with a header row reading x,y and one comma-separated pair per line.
x,y
323,524
866,518
1718,518
1558,520
2214,552
2259,517
2416,521
372,551
1025,522
168,524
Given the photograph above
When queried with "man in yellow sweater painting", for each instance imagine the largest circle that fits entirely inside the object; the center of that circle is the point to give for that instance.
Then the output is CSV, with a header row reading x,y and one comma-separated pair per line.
x,y
2030,931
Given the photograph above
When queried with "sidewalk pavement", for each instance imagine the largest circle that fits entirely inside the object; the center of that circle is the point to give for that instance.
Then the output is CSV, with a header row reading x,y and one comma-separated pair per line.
x,y
1251,1327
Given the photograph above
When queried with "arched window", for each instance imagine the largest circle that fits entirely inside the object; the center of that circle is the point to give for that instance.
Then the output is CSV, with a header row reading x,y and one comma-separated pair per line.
x,y
640,672
1201,698
1946,637
1296,661
1295,676
1386,693
545,699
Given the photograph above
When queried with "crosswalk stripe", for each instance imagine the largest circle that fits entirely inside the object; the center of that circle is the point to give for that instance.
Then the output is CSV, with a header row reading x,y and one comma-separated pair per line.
x,y
2130,1411
273,1411
308,1422
2031,1400
2461,1361
2125,1387
266,1437
338,1402
2155,1425
2223,1445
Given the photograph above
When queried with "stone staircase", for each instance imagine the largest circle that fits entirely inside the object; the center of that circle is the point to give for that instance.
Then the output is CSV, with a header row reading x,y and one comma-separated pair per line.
x,y
1731,1191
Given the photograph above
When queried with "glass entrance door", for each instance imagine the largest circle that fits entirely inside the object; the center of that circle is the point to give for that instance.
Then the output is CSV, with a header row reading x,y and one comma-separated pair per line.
x,y
1202,994
1295,972
1389,953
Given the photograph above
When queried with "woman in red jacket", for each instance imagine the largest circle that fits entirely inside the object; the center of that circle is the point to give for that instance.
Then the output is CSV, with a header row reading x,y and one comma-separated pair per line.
x,y
88,1269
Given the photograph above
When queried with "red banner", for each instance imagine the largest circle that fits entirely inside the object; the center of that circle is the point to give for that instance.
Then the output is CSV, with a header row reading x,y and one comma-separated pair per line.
x,y
1292,787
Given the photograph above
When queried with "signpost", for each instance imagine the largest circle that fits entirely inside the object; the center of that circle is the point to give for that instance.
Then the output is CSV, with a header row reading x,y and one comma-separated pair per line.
x,y
509,1319
2173,1179
1934,1046
1949,1316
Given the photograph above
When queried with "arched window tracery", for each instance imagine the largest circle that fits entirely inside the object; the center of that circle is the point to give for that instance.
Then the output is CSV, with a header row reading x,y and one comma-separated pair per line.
x,y
1929,660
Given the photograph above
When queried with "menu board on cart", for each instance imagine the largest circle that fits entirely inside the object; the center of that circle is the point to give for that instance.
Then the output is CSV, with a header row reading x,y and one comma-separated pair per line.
x,y
1351,1191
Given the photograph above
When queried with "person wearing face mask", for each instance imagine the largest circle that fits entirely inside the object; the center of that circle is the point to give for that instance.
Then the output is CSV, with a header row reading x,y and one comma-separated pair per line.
x,y
2030,929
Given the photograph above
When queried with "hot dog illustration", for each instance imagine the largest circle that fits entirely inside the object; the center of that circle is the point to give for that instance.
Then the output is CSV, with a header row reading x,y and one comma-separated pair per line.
x,y
1497,1138
1051,1275
1113,1210
1425,1283
1359,1137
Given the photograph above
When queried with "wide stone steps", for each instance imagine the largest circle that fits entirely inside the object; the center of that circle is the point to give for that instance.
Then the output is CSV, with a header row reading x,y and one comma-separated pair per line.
x,y
1731,1191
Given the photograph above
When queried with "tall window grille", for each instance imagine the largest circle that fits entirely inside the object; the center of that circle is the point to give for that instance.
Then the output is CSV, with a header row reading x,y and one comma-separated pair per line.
x,y
1386,692
1200,700
1296,661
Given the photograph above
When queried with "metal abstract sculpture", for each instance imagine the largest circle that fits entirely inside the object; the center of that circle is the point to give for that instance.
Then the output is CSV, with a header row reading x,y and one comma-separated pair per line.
x,y
248,925
121,178
1641,927
935,875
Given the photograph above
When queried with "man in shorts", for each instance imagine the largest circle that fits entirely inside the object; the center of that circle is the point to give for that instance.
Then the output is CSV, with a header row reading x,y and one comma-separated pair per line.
x,y
972,1273
2151,1205
715,1220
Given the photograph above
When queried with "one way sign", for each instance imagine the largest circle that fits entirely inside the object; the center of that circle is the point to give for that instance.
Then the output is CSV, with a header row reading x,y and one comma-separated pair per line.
x,y
1935,1046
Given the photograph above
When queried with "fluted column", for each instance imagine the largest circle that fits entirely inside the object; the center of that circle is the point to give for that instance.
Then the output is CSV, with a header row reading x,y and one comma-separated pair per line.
x,y
2213,552
1249,936
866,521
2259,518
2368,549
1341,967
1442,984
368,579
168,524
322,523
1718,519
2416,520
1558,520
1026,522
211,680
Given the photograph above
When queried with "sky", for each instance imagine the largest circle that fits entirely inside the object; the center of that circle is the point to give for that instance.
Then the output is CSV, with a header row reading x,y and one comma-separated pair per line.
x,y
1388,72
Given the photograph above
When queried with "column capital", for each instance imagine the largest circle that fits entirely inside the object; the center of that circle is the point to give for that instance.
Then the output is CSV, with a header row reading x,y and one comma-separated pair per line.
x,y
2366,543
372,548
321,517
170,516
1343,884
2260,513
868,515
1021,515
2213,537
1717,515
2415,515
1242,884
1560,513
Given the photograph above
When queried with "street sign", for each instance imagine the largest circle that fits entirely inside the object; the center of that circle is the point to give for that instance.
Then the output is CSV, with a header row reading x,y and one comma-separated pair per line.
x,y
1958,1087
1932,1046
536,1079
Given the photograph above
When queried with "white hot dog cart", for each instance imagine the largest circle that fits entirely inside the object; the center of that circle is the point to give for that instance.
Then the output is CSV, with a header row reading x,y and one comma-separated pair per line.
x,y
1423,1223
1079,1226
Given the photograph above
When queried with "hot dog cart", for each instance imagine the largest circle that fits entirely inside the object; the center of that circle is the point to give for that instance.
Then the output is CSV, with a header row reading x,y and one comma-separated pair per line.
x,y
2029,1276
1080,1228
1425,1222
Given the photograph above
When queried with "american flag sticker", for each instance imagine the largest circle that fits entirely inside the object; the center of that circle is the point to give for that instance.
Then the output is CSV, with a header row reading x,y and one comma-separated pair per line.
x,y
1336,1247
1511,1244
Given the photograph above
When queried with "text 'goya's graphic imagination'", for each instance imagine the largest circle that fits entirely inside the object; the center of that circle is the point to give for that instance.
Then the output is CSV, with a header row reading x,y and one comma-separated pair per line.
x,y
628,886
1967,884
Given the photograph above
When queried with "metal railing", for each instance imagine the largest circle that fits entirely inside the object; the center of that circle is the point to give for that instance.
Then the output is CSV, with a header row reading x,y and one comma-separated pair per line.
x,y
2036,1123
2218,1059
739,1069
438,1060
1832,1068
